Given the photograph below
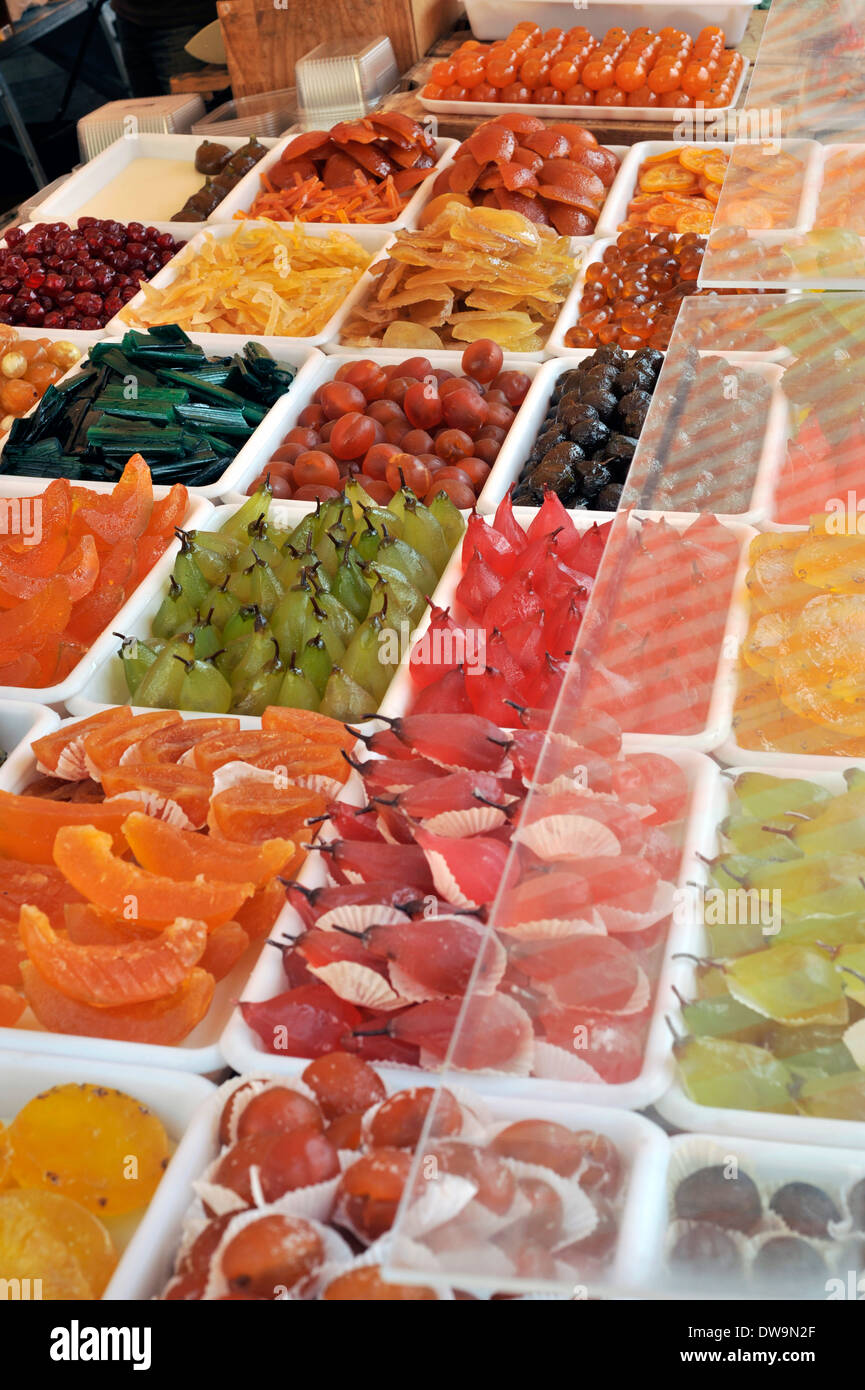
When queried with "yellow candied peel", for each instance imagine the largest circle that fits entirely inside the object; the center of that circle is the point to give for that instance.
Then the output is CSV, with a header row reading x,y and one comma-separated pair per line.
x,y
473,272
277,281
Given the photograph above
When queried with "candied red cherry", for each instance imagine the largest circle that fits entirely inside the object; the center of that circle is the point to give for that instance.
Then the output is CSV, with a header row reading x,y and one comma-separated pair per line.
x,y
399,1120
456,474
395,432
397,387
278,1110
283,1162
465,410
543,1142
423,405
369,1193
312,416
460,494
419,368
417,442
300,434
315,492
352,435
487,451
380,492
500,416
273,1256
315,469
452,445
407,470
339,397
343,1083
288,453
495,1182
475,469
366,1285
482,359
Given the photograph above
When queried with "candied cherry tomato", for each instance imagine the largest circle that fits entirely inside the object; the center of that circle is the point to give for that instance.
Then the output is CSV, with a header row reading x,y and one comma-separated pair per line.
x,y
397,387
460,494
311,415
340,397
500,416
385,411
417,442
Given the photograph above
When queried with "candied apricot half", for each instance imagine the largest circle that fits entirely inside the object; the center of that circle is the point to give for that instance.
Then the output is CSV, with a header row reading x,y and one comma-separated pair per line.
x,y
87,858
107,976
163,849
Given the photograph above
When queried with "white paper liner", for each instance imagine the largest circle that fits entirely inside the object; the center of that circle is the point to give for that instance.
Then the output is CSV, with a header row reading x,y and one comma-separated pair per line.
x,y
445,884
377,1254
579,1213
71,764
549,928
638,1002
560,837
313,1201
458,824
358,984
440,1200
621,922
160,807
557,1064
358,917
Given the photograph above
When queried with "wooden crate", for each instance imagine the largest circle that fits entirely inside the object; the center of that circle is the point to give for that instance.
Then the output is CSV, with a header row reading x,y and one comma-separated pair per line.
x,y
264,38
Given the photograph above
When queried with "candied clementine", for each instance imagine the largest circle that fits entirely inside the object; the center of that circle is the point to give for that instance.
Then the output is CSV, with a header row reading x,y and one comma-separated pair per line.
x,y
111,1129
87,859
92,614
163,849
255,811
160,1021
106,976
43,885
29,824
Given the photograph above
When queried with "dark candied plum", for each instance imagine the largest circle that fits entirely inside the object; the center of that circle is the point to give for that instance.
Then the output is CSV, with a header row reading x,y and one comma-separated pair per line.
x,y
609,497
527,495
548,440
635,402
611,353
590,435
635,379
649,357
619,446
603,374
710,1194
594,476
706,1248
563,455
555,476
806,1209
789,1260
602,400
571,408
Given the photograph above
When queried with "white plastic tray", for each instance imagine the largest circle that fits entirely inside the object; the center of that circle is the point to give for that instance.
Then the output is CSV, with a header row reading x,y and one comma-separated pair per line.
x,y
615,209
242,197
21,722
198,511
200,1051
174,1099
215,345
373,240
494,19
88,180
319,369
655,115
676,1106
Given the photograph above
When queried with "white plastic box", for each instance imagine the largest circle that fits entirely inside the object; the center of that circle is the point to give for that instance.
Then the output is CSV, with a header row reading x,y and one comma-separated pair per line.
x,y
494,19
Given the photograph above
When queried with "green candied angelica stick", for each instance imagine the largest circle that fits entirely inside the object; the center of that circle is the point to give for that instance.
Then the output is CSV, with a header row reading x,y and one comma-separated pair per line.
x,y
215,418
146,404
136,437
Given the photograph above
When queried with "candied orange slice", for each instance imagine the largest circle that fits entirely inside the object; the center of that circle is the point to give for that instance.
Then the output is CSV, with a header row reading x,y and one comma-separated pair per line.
x,y
28,824
254,812
162,789
77,1139
259,913
43,885
319,728
159,1022
274,752
87,859
163,849
88,925
50,1238
106,976
225,946
106,747
694,221
121,514
12,1006
169,744
667,176
61,753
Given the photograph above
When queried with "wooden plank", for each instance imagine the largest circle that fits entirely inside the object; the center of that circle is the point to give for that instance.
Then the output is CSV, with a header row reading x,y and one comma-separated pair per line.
x,y
205,80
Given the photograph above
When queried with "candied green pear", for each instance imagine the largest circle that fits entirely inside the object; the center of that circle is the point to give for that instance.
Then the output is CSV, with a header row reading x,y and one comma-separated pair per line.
x,y
136,656
203,687
259,542
189,575
734,1075
330,614
174,612
723,1017
344,698
265,589
367,541
292,615
206,637
221,604
840,1096
422,531
162,682
214,553
413,566
449,519
790,984
258,649
838,828
296,690
749,836
393,591
316,662
349,586
763,797
258,505
241,623
262,687
369,660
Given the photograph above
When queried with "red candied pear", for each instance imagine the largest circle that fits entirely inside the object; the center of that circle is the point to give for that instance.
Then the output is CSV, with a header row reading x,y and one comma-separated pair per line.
x,y
322,948
490,695
386,776
612,1047
350,823
455,792
438,953
465,741
386,900
624,881
539,759
352,861
427,663
650,779
304,1022
496,550
587,971
495,1031
467,872
544,895
588,554
479,585
506,524
448,695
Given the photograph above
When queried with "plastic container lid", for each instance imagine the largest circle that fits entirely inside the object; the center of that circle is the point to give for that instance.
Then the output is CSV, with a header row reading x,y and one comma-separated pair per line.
x,y
262,113
348,75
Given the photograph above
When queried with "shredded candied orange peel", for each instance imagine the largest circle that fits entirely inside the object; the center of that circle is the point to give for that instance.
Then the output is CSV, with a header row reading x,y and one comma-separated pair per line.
x,y
474,272
277,281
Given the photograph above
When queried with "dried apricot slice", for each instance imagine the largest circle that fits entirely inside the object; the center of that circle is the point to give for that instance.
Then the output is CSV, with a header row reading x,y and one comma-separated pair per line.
x,y
107,976
12,954
93,926
169,743
121,514
259,913
254,812
29,824
61,753
294,759
104,748
180,794
159,1022
87,859
97,1146
46,614
163,849
318,728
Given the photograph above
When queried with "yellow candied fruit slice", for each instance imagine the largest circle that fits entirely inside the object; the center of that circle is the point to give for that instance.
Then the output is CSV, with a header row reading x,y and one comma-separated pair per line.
x,y
6,1179
97,1146
47,1237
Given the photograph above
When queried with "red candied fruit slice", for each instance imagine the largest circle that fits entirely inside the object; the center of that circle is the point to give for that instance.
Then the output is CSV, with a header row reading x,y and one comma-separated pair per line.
x,y
308,1021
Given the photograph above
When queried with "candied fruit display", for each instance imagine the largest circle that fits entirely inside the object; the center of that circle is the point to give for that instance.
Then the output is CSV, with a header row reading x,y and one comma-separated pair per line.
x,y
277,1217
574,69
309,617
64,577
357,171
586,440
190,414
474,272
401,424
557,176
276,281
777,998
763,186
56,276
679,189
632,295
